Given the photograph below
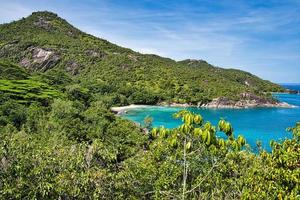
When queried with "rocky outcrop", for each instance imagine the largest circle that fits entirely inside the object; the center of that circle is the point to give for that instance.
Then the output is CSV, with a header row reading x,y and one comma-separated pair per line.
x,y
40,59
25,62
182,105
42,22
72,67
247,100
96,54
133,57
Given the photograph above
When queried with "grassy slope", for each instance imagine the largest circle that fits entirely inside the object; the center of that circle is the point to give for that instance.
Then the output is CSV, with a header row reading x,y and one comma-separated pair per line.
x,y
17,84
124,71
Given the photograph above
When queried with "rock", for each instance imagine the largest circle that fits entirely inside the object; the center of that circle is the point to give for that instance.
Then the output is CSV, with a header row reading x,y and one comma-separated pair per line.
x,y
40,55
45,59
25,62
133,57
182,105
223,102
95,53
4,163
247,100
72,67
41,59
43,23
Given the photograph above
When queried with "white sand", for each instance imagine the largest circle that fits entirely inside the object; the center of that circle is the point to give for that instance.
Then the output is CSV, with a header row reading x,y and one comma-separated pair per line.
x,y
123,109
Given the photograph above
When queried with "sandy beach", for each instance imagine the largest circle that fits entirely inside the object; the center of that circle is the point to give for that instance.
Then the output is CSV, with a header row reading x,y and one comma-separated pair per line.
x,y
122,109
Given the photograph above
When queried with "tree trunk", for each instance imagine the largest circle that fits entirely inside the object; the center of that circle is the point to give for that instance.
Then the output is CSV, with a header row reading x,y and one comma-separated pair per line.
x,y
184,169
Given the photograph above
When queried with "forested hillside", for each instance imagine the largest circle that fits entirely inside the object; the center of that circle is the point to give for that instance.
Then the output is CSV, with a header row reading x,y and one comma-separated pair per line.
x,y
43,42
60,140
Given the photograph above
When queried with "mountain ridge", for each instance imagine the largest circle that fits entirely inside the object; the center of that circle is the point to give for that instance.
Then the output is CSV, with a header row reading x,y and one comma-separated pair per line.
x,y
44,42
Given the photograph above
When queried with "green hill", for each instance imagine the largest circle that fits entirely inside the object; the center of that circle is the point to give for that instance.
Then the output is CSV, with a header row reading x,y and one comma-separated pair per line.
x,y
60,140
44,42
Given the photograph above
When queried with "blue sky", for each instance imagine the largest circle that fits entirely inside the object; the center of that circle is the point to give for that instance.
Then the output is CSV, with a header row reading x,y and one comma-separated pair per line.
x,y
259,36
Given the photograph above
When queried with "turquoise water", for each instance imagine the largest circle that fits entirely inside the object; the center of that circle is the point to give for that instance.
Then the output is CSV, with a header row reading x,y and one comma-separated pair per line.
x,y
263,124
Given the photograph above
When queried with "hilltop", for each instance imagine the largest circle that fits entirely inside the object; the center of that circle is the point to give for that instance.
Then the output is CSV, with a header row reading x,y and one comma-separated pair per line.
x,y
45,43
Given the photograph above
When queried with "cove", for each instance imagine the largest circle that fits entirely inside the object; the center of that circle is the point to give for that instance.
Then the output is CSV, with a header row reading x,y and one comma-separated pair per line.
x,y
255,124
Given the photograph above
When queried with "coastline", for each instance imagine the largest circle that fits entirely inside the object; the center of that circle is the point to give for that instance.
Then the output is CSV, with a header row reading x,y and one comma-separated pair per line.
x,y
123,109
211,105
288,92
236,105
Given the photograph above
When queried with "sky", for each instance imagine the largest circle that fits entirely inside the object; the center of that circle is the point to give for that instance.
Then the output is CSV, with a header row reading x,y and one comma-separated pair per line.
x,y
258,36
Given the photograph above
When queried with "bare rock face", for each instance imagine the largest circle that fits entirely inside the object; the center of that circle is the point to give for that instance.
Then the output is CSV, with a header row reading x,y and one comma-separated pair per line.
x,y
95,53
25,62
72,67
40,59
43,23
247,100
40,55
221,102
132,57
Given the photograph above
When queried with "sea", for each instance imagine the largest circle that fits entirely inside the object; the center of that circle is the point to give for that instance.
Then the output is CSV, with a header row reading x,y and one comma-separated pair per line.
x,y
257,125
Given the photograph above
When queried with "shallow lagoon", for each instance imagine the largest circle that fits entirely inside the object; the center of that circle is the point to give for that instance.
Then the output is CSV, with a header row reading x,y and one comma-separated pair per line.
x,y
263,124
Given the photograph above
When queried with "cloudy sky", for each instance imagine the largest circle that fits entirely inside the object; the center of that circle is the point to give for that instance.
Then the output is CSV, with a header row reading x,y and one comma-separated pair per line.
x,y
259,36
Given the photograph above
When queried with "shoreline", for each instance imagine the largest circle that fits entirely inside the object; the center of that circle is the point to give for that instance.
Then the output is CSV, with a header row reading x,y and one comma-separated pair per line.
x,y
295,92
123,109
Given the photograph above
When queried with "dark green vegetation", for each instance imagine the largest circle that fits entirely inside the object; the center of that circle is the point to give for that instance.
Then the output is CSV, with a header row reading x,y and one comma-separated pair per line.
x,y
68,150
59,140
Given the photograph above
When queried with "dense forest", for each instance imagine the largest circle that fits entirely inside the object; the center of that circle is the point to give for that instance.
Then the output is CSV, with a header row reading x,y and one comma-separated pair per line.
x,y
59,139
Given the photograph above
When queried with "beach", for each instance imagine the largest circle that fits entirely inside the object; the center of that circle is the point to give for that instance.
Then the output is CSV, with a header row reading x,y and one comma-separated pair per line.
x,y
123,109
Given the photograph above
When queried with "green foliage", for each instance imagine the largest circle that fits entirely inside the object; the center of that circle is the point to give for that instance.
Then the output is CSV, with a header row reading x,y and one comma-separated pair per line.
x,y
129,76
194,131
59,140
11,71
56,78
69,150
148,122
12,113
63,151
28,90
192,169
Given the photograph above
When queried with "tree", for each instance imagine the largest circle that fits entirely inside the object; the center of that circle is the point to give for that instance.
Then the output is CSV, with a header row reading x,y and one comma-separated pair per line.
x,y
192,132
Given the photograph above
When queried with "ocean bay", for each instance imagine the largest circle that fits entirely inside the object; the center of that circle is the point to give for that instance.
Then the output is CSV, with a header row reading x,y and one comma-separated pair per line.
x,y
255,124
